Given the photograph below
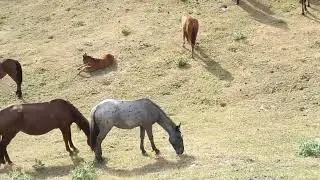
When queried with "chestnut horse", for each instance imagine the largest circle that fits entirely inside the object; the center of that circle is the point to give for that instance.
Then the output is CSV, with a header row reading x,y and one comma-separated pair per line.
x,y
13,69
38,119
304,5
190,28
92,64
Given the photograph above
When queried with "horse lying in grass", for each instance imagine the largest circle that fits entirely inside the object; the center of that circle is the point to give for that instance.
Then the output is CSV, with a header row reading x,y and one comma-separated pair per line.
x,y
304,5
13,69
128,115
91,64
190,28
38,119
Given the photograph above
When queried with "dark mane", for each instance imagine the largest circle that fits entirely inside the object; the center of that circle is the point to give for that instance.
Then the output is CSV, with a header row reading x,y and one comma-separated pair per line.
x,y
162,113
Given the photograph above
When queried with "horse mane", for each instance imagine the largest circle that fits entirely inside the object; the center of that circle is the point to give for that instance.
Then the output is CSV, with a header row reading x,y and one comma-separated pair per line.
x,y
79,119
163,115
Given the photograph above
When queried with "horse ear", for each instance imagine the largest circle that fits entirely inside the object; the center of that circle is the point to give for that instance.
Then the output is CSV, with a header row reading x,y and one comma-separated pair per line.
x,y
178,127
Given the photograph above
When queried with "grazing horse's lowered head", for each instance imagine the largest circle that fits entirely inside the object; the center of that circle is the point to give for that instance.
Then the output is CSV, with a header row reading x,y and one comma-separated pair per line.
x,y
13,69
176,140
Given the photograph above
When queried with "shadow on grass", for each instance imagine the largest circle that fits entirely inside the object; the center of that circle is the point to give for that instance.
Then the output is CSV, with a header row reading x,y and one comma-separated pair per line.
x,y
212,66
262,14
161,164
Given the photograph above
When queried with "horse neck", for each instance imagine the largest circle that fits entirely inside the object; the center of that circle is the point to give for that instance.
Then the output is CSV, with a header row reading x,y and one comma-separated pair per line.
x,y
166,123
80,120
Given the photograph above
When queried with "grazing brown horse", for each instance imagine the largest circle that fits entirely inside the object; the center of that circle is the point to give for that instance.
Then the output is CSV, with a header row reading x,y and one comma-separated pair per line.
x,y
13,69
92,64
190,28
38,119
304,5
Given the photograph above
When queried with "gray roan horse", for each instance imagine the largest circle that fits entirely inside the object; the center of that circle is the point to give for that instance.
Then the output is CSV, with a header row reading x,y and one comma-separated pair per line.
x,y
127,114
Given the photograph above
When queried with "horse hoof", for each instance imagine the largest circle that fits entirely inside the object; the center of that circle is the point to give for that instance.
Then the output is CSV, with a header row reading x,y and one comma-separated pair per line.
x,y
157,151
99,159
144,153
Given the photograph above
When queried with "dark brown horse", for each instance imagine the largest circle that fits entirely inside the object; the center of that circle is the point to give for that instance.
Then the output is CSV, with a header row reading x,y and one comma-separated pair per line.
x,y
14,70
38,119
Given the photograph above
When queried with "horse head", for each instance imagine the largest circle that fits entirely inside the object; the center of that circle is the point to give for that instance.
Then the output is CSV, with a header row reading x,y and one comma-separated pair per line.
x,y
176,140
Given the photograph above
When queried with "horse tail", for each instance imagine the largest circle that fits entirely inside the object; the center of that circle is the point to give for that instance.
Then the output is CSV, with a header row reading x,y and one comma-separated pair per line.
x,y
19,72
94,130
79,119
194,31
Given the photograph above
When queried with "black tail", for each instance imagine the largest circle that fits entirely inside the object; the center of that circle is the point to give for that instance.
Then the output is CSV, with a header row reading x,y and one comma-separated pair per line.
x,y
94,130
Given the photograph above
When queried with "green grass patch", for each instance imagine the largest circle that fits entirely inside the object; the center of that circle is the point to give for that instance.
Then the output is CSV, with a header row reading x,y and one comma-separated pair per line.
x,y
310,148
84,171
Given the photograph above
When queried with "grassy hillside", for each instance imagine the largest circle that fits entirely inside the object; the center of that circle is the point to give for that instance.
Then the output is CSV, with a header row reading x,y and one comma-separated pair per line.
x,y
246,102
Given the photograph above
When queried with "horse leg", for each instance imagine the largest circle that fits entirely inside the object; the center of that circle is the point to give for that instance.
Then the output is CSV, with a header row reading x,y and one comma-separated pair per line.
x,y
70,141
2,160
302,4
4,143
237,1
150,135
102,134
65,138
192,49
309,3
184,37
142,134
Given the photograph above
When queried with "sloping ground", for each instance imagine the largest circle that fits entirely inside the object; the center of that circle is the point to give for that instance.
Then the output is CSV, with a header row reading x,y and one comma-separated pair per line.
x,y
246,102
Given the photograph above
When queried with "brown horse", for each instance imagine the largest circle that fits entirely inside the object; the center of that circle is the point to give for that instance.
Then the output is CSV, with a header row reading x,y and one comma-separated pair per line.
x,y
38,119
92,64
190,28
14,70
304,5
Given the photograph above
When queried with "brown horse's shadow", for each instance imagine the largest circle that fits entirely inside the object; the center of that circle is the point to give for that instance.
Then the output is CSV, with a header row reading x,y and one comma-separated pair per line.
x,y
212,66
49,171
54,171
161,164
312,17
262,14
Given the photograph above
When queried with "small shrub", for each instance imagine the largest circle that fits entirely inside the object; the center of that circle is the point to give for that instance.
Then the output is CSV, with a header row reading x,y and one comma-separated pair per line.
x,y
182,63
238,36
84,171
310,148
125,31
16,174
38,165
316,44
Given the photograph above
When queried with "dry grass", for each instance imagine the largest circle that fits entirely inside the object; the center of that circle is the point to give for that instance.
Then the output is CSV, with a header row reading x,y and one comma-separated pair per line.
x,y
245,106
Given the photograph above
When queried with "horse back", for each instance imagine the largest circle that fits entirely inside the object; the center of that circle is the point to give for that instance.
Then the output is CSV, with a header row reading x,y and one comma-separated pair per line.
x,y
190,27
